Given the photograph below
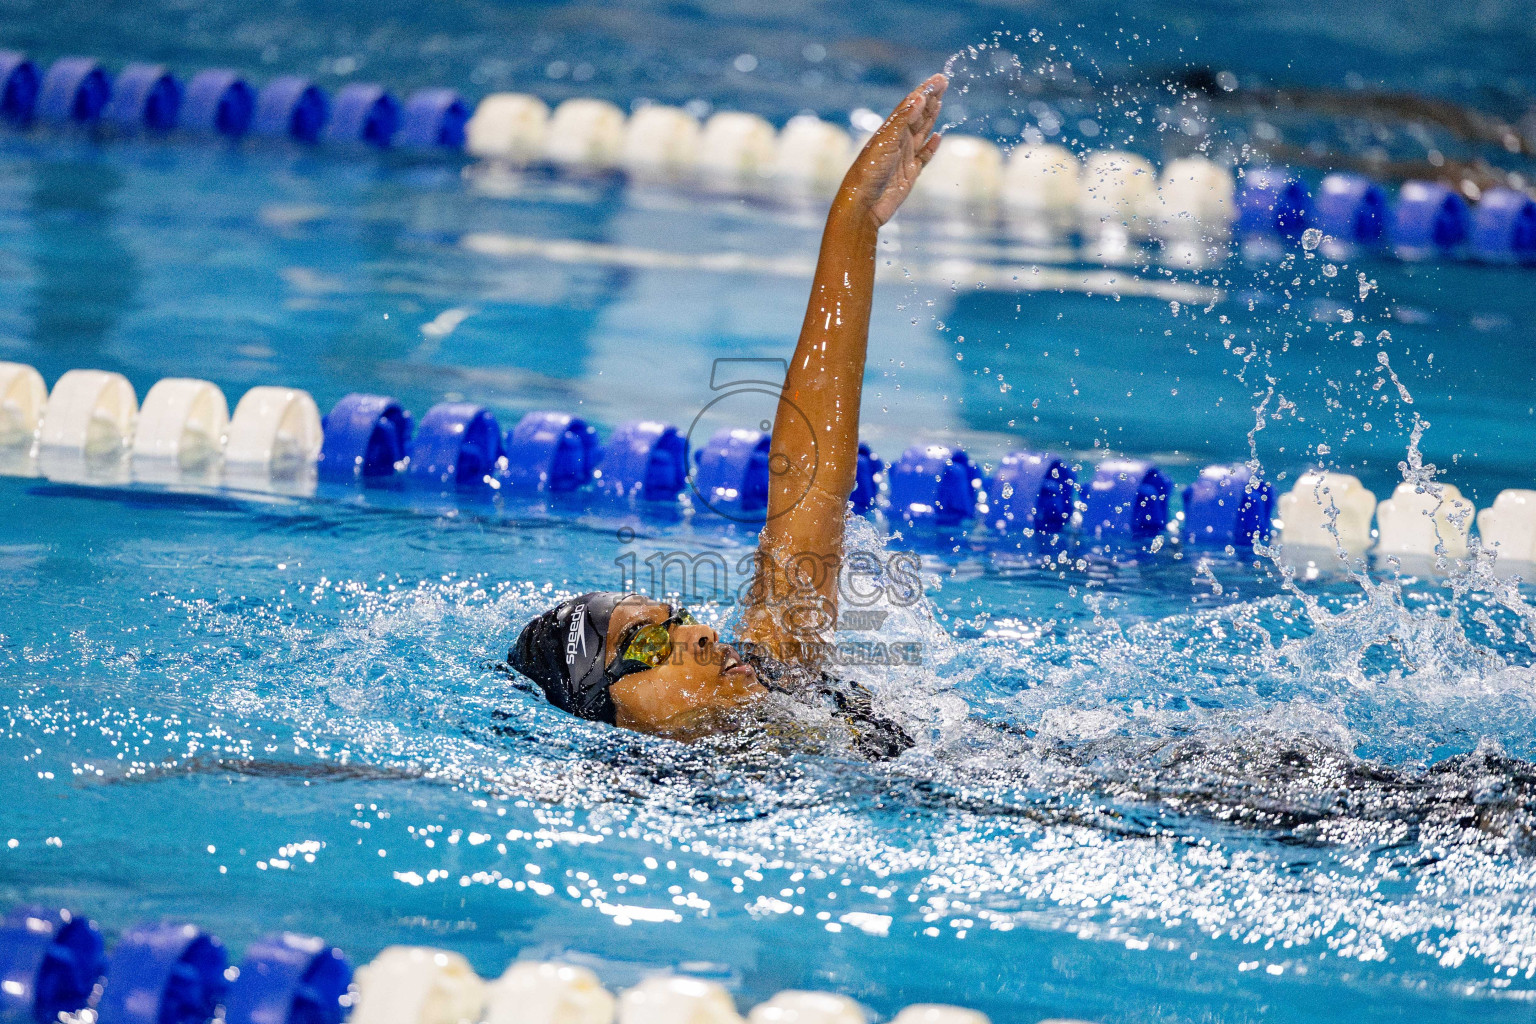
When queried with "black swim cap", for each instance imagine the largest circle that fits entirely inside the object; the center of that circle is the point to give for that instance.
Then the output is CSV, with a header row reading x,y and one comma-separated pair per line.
x,y
564,651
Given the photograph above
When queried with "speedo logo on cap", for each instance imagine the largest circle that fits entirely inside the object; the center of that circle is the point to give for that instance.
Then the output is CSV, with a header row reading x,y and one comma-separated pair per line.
x,y
577,635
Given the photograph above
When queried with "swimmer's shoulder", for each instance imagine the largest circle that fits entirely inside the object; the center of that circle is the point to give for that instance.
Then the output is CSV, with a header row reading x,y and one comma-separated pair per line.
x,y
875,737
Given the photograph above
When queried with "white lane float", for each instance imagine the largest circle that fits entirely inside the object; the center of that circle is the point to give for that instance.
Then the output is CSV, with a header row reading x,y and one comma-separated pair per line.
x,y
737,149
938,1013
673,999
812,155
181,425
1321,502
1195,198
417,985
1042,179
1508,526
585,133
966,171
89,413
1119,192
796,1007
1417,521
23,396
548,993
661,141
508,126
275,432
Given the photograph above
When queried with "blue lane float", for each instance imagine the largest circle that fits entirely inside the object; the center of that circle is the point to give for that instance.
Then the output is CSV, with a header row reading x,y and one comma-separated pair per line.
x,y
456,444
433,119
1504,227
1127,499
1351,208
289,979
145,97
551,451
866,480
1272,200
731,473
363,113
50,962
74,91
934,485
365,437
1429,215
218,102
1031,491
1228,506
163,974
19,82
290,107
645,459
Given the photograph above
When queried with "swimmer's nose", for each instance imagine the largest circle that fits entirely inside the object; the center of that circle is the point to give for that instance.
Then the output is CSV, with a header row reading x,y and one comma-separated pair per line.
x,y
699,639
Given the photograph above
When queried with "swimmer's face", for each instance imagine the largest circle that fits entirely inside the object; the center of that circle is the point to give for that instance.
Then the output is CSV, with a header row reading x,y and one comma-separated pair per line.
x,y
702,675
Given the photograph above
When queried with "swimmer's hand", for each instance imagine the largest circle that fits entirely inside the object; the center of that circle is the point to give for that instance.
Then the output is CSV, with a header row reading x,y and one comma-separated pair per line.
x,y
879,180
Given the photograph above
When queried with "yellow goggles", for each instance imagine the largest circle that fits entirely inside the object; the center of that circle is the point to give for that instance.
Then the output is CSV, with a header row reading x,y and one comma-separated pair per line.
x,y
650,645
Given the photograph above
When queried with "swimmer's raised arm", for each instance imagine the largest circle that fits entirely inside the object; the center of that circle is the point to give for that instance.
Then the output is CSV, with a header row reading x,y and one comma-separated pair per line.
x,y
816,430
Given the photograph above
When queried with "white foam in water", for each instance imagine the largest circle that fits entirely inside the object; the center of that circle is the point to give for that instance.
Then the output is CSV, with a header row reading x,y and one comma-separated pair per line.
x,y
1042,177
548,993
182,423
1424,520
508,126
90,413
23,395
938,1013
1508,526
966,171
585,133
661,140
737,148
274,430
1119,192
677,1000
812,154
1327,510
417,985
796,1007
1195,197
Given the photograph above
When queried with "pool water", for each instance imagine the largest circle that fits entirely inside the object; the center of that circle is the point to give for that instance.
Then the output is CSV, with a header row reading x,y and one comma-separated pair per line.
x,y
1174,786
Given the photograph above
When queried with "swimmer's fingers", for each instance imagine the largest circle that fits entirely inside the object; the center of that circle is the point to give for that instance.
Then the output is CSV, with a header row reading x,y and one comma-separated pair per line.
x,y
881,178
929,148
919,110
926,101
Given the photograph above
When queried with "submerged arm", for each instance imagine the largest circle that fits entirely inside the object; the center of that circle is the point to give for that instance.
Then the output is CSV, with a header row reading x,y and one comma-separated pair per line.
x,y
815,443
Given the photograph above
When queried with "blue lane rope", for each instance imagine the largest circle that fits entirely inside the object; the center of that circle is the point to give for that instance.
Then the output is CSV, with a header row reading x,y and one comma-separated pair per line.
x,y
218,102
363,114
145,97
52,962
372,440
1352,208
1424,219
1127,499
289,979
163,974
19,85
75,90
291,108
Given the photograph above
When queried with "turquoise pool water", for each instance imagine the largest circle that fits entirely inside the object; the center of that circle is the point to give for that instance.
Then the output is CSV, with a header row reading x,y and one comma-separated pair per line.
x,y
1175,789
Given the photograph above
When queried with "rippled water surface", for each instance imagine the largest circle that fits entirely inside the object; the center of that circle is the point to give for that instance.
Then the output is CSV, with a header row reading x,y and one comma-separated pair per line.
x,y
1172,786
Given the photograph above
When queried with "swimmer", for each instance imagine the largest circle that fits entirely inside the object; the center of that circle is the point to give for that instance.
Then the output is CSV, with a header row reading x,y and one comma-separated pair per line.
x,y
647,666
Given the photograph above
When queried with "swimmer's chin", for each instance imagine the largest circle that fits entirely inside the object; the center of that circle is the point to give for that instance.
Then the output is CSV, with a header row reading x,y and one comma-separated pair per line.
x,y
714,720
